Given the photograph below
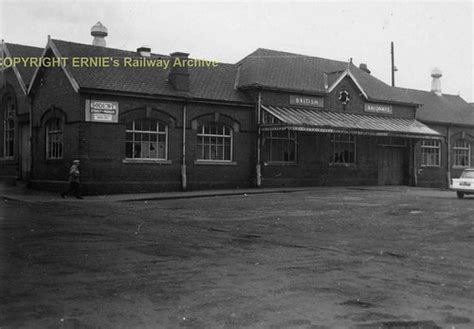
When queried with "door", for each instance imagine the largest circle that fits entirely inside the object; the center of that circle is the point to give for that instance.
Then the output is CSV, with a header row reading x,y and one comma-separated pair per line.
x,y
391,166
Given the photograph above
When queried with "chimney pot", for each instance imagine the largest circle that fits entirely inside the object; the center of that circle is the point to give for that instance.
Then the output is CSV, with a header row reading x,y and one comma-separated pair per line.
x,y
364,67
144,51
179,74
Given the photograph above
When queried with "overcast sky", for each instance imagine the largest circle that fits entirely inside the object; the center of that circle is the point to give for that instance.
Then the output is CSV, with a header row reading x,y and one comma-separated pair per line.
x,y
426,34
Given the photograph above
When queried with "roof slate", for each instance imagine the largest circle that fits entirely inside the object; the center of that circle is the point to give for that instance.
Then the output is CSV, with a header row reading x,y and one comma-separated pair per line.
x,y
264,68
16,50
442,109
213,83
282,70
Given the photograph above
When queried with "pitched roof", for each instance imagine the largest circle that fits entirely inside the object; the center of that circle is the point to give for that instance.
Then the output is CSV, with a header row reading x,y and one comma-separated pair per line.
x,y
16,50
282,70
214,83
443,109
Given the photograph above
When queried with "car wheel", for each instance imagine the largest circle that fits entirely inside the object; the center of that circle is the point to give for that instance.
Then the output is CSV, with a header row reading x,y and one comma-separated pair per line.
x,y
460,195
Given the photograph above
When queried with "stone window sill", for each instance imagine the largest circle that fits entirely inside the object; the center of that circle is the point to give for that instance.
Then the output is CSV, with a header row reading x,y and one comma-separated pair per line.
x,y
147,161
215,163
280,163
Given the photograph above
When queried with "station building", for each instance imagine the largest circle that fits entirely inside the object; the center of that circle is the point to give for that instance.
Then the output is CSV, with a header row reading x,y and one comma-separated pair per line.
x,y
15,157
272,119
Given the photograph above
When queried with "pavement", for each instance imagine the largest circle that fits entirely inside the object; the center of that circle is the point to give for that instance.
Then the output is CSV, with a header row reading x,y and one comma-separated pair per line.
x,y
23,194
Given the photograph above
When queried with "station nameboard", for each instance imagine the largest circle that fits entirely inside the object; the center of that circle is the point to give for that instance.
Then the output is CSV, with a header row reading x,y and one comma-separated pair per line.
x,y
306,101
102,111
378,108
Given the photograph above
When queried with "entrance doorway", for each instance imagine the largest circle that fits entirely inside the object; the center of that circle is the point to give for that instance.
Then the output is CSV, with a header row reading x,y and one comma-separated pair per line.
x,y
391,165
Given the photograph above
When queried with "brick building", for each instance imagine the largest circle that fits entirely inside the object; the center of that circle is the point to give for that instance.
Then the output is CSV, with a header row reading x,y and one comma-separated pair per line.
x,y
453,118
15,114
272,119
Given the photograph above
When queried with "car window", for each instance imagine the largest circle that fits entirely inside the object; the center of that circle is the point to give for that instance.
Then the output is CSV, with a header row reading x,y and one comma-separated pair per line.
x,y
468,174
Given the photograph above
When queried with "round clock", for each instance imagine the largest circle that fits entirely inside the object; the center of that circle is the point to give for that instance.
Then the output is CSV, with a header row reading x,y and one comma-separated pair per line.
x,y
344,97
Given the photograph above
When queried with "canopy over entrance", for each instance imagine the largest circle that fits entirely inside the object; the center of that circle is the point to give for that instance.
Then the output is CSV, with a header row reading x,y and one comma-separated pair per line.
x,y
310,120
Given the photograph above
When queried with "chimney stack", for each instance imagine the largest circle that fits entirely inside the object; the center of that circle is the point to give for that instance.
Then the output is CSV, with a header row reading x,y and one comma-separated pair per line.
x,y
436,74
144,51
364,67
99,32
179,74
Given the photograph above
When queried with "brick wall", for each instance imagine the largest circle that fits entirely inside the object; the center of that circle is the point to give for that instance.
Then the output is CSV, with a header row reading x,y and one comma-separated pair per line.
x,y
331,102
313,165
101,146
437,176
10,168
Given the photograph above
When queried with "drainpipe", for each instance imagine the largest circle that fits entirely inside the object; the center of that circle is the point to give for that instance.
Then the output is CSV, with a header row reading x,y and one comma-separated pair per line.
x,y
448,141
183,164
30,139
415,171
258,168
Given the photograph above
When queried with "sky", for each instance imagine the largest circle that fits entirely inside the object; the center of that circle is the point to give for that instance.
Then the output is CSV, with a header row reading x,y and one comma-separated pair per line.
x,y
425,34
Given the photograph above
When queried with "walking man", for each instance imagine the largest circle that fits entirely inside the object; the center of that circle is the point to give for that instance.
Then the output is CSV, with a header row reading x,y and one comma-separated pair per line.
x,y
73,181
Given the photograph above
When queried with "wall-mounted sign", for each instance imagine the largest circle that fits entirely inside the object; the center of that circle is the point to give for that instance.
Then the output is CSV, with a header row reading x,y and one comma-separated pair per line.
x,y
102,111
306,101
378,108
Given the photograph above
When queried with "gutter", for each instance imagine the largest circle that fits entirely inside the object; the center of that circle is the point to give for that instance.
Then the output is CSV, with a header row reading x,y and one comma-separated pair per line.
x,y
183,164
163,97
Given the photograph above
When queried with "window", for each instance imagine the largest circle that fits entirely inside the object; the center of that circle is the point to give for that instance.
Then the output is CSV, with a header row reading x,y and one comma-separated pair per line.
x,y
462,153
54,139
279,146
9,129
430,152
146,139
214,142
343,149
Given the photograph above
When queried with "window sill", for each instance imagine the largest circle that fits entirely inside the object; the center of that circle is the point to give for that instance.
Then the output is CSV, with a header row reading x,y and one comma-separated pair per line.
x,y
461,167
147,161
8,160
347,165
54,160
430,166
215,163
280,163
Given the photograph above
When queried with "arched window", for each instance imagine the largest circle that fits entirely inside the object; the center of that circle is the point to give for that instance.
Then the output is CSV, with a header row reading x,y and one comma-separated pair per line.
x,y
54,138
9,128
146,139
214,142
462,153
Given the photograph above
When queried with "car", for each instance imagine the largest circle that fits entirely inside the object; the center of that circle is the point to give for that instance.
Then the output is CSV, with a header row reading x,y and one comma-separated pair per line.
x,y
463,185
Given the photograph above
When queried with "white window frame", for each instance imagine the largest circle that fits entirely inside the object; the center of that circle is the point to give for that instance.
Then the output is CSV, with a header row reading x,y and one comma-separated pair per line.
x,y
9,129
156,133
344,139
429,147
461,145
54,137
271,137
202,135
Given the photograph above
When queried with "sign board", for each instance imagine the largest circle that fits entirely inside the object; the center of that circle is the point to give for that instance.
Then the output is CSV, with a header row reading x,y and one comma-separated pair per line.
x,y
306,101
102,111
378,108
